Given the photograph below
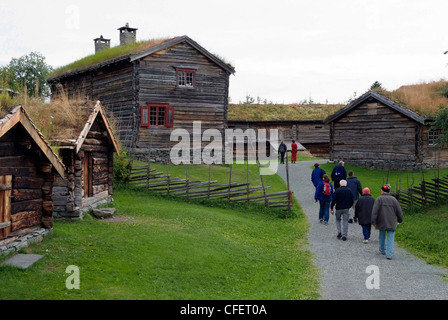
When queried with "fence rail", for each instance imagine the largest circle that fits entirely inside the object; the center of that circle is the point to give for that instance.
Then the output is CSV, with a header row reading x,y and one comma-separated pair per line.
x,y
146,177
425,193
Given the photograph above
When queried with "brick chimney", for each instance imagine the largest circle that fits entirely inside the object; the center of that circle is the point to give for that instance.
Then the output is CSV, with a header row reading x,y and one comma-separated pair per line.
x,y
101,44
127,35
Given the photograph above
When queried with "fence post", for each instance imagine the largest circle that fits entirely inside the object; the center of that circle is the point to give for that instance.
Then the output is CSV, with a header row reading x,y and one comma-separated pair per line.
x,y
262,183
230,182
147,174
287,181
209,180
187,178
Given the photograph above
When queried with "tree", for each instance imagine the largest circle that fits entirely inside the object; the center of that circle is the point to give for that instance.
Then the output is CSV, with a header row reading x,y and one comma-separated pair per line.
x,y
376,85
29,70
441,124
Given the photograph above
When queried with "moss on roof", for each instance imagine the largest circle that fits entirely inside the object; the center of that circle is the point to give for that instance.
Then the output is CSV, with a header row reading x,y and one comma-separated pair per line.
x,y
423,98
111,54
269,112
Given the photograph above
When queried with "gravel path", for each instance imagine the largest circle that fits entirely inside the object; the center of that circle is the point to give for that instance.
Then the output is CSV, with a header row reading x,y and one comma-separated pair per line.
x,y
343,264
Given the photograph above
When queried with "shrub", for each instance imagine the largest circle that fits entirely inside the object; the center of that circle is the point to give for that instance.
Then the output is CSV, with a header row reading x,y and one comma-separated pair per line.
x,y
122,167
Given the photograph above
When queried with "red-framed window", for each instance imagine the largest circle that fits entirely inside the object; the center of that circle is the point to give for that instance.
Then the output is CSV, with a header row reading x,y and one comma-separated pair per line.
x,y
157,115
185,78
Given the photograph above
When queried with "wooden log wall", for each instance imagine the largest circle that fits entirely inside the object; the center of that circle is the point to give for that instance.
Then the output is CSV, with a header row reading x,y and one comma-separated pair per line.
x,y
70,193
32,181
433,155
313,135
207,102
374,132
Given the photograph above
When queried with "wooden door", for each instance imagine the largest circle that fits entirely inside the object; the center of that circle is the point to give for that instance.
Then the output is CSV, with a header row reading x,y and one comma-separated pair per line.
x,y
88,174
5,206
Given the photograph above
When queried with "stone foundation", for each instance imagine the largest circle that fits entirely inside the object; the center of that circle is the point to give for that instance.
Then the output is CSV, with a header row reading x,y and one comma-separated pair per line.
x,y
14,244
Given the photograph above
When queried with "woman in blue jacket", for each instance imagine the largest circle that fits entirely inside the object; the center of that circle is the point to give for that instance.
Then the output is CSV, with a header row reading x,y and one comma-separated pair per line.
x,y
317,175
324,198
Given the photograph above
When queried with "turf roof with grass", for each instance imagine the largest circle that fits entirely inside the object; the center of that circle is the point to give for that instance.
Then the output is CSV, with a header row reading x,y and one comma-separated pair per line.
x,y
132,52
107,56
424,98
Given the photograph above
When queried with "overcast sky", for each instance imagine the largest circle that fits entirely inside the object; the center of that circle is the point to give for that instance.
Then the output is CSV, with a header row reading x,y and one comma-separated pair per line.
x,y
285,51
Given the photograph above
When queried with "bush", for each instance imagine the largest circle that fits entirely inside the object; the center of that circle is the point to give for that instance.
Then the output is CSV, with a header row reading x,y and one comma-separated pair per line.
x,y
122,167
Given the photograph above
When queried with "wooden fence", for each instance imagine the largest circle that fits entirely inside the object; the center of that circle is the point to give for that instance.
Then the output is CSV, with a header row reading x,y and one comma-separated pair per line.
x,y
147,177
425,193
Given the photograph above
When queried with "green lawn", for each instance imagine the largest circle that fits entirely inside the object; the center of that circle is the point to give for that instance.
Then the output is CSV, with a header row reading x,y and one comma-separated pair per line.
x,y
171,249
425,234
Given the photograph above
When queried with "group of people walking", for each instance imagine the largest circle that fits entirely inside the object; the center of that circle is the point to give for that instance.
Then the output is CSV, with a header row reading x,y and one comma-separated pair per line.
x,y
343,196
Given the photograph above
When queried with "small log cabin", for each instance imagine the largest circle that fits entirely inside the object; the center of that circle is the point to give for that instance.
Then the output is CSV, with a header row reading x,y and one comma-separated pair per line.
x,y
374,131
152,88
28,167
313,135
88,159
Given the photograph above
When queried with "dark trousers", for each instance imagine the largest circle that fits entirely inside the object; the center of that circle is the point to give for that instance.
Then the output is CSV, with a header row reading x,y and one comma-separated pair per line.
x,y
282,157
337,184
366,228
324,210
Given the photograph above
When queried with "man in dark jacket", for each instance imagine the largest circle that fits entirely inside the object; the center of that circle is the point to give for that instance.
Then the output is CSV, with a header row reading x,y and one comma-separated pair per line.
x,y
355,186
282,149
363,213
343,199
339,173
385,214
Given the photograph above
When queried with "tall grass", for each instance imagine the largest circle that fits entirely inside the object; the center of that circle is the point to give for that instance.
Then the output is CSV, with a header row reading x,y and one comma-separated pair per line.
x,y
7,103
423,98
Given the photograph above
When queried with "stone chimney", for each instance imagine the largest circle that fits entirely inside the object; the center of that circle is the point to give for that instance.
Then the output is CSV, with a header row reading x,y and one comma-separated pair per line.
x,y
101,44
127,35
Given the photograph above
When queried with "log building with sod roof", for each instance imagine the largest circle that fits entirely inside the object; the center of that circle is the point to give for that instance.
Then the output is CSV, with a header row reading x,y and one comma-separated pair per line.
x,y
375,131
151,88
88,158
28,168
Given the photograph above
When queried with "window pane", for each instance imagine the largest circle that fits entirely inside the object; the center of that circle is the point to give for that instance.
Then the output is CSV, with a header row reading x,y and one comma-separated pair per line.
x,y
189,79
145,119
153,116
170,117
432,137
161,119
181,79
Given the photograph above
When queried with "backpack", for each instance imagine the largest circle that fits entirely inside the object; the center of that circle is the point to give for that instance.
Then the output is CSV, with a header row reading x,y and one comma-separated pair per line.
x,y
326,189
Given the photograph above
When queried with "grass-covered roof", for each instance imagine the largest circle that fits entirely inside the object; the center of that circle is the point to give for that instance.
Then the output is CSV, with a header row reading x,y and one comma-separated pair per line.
x,y
423,98
105,56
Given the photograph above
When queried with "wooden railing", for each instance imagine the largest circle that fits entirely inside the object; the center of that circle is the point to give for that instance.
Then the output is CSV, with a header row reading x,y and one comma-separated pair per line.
x,y
146,177
425,193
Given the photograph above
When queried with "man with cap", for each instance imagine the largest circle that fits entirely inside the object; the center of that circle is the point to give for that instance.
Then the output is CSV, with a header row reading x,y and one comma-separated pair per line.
x,y
343,199
386,213
363,213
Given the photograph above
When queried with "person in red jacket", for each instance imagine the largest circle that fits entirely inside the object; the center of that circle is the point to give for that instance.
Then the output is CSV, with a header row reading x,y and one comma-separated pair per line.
x,y
294,151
